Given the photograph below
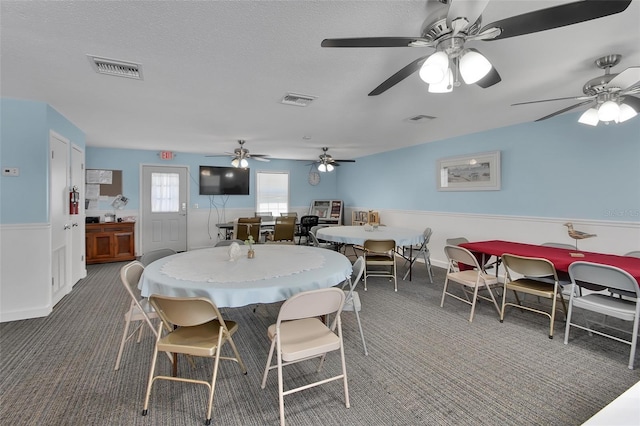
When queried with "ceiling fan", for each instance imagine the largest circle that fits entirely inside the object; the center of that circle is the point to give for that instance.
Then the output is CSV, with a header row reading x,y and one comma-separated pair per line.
x,y
241,155
326,163
448,32
611,95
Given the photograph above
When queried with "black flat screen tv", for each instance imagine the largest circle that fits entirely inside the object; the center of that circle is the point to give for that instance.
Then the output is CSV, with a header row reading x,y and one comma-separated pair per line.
x,y
224,181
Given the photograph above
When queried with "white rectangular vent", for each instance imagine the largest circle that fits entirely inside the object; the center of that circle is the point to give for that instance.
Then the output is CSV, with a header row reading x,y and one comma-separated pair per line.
x,y
420,118
116,67
297,100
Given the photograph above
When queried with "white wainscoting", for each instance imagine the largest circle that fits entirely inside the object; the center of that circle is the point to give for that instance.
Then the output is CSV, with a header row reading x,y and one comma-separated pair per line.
x,y
25,271
613,237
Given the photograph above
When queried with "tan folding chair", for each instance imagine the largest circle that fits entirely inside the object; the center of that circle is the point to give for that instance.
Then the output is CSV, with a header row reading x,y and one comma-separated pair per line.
x,y
474,278
380,253
139,309
352,298
617,281
194,327
285,229
531,268
245,226
299,335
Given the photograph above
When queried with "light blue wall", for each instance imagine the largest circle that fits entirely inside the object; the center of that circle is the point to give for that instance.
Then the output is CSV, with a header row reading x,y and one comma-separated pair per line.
x,y
24,143
129,161
555,168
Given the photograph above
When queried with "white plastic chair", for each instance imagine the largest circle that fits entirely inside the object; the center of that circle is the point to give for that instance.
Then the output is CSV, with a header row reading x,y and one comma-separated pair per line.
x,y
299,335
615,280
352,299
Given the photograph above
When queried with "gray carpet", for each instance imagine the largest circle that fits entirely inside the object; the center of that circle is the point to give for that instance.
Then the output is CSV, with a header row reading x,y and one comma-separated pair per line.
x,y
426,365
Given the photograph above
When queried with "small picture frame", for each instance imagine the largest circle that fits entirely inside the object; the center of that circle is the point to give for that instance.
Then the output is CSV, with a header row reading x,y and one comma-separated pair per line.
x,y
474,172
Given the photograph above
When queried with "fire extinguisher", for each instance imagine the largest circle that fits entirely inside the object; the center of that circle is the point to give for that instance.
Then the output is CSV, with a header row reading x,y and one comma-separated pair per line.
x,y
74,200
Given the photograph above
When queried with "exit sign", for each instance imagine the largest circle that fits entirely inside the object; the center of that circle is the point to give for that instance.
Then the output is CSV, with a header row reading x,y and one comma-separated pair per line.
x,y
166,155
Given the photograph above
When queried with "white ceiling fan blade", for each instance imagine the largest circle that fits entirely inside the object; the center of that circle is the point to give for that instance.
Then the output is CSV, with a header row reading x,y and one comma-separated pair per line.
x,y
627,78
266,160
469,10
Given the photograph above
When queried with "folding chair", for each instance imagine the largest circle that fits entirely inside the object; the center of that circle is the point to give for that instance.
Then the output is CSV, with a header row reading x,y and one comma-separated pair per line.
x,y
194,327
380,253
423,250
352,299
471,277
299,335
531,268
152,256
615,280
139,309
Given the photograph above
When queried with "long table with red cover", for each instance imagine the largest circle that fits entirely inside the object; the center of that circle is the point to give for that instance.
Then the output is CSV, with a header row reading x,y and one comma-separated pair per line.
x,y
561,258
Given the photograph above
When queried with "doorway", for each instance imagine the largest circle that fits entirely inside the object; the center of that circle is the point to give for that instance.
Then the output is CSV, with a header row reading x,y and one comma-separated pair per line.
x,y
163,206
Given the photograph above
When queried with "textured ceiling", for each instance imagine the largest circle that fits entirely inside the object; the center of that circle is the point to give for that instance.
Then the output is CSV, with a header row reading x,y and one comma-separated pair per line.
x,y
214,72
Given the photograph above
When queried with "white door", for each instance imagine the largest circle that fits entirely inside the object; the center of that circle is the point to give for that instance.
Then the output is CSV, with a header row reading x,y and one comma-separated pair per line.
x,y
59,217
163,221
78,263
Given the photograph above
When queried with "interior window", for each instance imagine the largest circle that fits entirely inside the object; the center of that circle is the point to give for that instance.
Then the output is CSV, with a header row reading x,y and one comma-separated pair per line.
x,y
165,192
272,192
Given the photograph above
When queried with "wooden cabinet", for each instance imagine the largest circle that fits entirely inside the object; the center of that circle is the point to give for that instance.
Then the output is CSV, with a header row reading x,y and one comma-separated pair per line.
x,y
110,242
364,217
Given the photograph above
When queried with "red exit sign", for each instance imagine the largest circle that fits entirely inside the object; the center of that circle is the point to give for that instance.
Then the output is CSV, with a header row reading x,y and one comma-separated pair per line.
x,y
166,155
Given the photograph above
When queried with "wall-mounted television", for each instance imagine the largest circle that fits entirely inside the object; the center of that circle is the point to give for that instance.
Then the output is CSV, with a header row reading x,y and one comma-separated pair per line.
x,y
224,181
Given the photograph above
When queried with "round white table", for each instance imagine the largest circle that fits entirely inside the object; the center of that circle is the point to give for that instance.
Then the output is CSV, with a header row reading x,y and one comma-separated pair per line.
x,y
358,234
277,272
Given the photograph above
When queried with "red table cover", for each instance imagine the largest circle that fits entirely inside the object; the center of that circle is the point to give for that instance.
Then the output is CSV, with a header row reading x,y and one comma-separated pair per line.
x,y
561,258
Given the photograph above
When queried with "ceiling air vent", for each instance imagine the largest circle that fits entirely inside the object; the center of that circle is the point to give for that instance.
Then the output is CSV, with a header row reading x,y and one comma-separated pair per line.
x,y
420,118
297,100
116,67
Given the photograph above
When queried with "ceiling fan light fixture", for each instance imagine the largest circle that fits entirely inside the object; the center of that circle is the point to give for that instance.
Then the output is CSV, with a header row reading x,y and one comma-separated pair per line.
x,y
444,86
435,68
589,117
322,167
473,66
626,113
609,111
240,162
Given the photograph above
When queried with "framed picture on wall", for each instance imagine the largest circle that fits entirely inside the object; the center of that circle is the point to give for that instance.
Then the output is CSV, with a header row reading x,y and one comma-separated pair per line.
x,y
474,172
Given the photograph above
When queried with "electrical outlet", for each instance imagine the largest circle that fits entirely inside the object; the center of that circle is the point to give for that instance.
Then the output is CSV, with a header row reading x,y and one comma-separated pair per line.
x,y
195,206
10,171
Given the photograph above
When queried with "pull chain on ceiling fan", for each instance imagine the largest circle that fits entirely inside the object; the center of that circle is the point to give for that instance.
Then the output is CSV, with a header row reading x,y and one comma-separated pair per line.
x,y
448,34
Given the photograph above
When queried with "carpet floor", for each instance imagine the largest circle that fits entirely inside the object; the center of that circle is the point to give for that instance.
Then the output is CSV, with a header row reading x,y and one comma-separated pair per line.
x,y
427,365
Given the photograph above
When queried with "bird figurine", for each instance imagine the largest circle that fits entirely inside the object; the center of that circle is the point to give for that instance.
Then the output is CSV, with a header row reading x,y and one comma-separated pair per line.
x,y
577,235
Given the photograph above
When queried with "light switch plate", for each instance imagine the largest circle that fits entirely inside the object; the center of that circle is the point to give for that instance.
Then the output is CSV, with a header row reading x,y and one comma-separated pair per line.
x,y
10,171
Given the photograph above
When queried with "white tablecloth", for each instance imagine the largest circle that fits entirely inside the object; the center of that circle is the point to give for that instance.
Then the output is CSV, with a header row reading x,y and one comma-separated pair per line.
x,y
358,234
276,273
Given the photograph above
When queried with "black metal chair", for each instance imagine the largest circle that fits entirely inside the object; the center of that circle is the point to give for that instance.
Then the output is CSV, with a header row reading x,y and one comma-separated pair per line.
x,y
306,223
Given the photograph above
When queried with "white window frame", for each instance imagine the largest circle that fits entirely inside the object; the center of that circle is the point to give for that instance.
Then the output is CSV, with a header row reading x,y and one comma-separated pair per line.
x,y
275,210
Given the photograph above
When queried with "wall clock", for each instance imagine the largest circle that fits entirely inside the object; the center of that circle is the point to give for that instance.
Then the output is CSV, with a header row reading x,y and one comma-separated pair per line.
x,y
314,178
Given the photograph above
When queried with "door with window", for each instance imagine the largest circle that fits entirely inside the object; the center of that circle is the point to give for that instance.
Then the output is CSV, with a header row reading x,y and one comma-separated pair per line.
x,y
164,201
